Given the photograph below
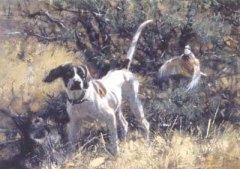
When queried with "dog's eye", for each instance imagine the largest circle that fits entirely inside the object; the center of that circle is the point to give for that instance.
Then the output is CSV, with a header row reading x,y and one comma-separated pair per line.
x,y
69,74
79,72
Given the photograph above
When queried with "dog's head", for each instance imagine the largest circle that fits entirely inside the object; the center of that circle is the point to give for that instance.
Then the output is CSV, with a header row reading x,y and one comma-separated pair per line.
x,y
75,77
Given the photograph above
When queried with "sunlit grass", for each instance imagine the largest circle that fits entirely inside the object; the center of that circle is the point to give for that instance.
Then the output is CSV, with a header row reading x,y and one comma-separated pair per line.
x,y
21,79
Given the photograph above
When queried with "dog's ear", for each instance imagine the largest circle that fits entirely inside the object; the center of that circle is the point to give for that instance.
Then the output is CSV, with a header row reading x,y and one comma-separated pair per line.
x,y
54,74
85,74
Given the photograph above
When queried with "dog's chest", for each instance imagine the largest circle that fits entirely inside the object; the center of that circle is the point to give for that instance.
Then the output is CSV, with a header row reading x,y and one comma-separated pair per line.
x,y
80,111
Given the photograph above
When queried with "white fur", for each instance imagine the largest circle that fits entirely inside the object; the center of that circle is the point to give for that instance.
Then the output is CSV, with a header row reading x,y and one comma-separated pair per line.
x,y
119,84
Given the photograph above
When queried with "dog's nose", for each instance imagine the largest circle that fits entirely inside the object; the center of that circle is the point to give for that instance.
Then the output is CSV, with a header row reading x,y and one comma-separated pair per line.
x,y
77,83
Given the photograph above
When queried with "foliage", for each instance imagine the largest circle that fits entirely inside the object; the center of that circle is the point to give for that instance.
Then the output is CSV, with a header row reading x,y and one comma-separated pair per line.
x,y
99,33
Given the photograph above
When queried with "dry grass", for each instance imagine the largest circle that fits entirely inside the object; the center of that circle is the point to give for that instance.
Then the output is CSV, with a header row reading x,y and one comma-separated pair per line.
x,y
21,83
178,151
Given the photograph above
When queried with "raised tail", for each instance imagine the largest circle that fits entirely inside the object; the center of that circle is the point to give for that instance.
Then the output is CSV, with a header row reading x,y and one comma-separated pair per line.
x,y
132,48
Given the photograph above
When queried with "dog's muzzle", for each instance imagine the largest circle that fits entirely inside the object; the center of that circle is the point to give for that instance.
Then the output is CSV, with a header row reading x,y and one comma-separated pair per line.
x,y
76,86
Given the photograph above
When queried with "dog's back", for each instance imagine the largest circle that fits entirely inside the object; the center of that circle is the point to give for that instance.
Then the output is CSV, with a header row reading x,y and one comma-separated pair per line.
x,y
117,78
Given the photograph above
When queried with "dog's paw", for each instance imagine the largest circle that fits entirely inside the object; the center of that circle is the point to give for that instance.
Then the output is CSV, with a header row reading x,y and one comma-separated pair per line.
x,y
113,150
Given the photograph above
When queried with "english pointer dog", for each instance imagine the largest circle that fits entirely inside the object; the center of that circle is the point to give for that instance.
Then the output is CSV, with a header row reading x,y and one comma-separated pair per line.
x,y
101,99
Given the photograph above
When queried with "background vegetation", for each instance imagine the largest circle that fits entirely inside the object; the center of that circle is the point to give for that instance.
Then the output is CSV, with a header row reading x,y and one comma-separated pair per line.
x,y
198,129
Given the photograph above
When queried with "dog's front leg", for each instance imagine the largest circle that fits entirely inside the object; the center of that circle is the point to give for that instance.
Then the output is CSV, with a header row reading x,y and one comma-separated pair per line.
x,y
72,131
110,120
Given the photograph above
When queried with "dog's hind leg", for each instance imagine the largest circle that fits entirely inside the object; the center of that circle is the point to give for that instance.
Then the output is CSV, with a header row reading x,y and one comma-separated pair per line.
x,y
130,92
123,124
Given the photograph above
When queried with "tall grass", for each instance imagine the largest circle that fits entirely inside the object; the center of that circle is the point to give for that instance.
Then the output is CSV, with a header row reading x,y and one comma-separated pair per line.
x,y
181,151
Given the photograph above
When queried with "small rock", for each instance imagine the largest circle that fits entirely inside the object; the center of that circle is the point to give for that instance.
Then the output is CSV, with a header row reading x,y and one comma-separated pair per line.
x,y
97,162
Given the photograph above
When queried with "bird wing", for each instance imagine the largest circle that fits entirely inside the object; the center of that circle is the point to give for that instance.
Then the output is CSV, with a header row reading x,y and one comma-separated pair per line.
x,y
177,66
196,75
170,67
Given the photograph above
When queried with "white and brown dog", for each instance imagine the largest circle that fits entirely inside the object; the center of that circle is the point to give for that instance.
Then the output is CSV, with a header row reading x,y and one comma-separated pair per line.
x,y
101,99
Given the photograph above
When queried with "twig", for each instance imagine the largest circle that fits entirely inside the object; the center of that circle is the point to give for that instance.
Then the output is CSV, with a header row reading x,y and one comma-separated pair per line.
x,y
163,54
6,130
48,38
49,17
216,112
8,142
175,120
209,126
180,125
82,11
89,141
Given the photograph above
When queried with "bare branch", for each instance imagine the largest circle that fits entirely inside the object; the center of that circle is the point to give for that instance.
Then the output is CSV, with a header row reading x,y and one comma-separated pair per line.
x,y
9,142
42,38
49,17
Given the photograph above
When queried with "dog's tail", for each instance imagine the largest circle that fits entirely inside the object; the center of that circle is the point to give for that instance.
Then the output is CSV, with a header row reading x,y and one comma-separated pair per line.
x,y
132,48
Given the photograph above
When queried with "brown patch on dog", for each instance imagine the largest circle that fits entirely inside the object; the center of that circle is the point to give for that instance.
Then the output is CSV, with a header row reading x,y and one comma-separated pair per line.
x,y
111,104
99,87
